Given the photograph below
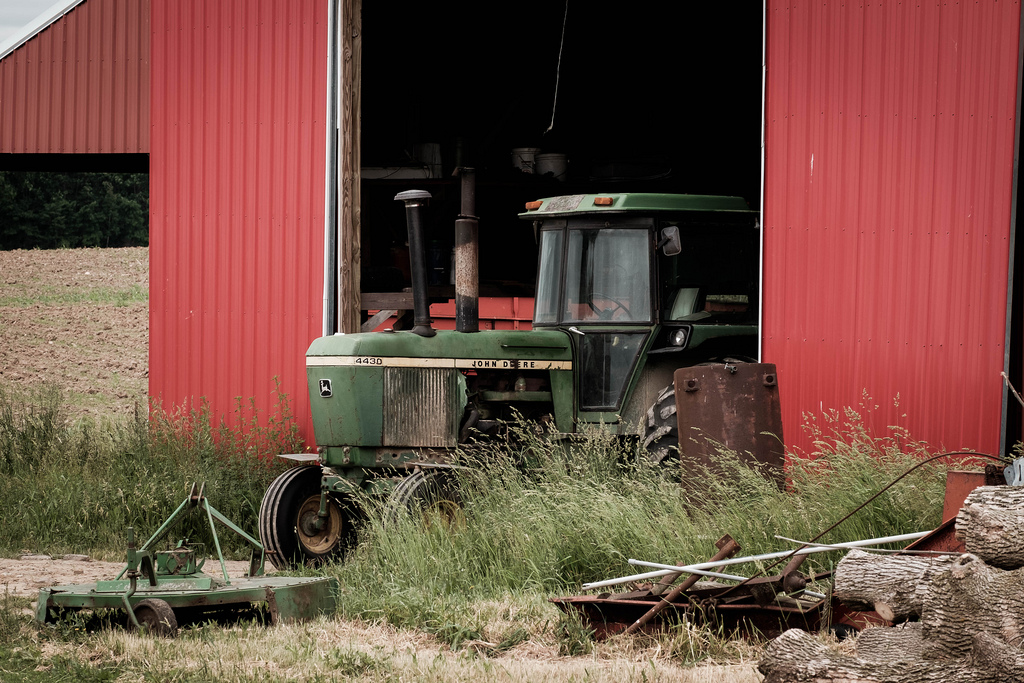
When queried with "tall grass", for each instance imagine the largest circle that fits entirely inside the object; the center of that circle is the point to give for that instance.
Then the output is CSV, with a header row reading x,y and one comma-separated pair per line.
x,y
74,486
544,515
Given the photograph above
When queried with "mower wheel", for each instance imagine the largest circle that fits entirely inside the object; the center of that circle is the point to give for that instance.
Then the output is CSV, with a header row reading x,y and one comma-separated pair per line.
x,y
661,433
288,517
156,616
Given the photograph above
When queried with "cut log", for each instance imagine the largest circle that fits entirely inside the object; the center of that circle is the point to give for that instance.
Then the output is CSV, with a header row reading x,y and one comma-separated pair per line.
x,y
988,652
972,598
895,586
991,525
797,656
897,644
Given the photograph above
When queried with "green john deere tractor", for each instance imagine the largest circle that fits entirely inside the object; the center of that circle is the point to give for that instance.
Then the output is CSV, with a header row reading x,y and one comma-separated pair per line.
x,y
631,287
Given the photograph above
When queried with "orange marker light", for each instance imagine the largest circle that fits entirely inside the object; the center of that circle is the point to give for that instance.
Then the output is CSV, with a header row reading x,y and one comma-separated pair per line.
x,y
603,201
533,206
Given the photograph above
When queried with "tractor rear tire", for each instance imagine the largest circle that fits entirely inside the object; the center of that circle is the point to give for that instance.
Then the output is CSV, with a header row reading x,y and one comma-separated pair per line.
x,y
156,616
661,433
287,515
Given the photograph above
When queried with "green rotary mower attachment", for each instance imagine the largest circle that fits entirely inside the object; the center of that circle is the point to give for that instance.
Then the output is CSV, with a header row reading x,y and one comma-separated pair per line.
x,y
159,588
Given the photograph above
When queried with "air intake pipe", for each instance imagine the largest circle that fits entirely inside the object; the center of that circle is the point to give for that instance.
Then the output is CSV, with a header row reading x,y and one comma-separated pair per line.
x,y
415,201
467,278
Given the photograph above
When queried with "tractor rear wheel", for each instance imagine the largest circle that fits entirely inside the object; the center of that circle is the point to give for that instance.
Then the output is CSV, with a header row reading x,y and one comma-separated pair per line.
x,y
433,495
288,521
661,432
156,616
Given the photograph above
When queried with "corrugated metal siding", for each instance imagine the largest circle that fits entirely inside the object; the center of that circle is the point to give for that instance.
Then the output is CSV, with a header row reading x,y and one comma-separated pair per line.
x,y
81,84
888,173
237,199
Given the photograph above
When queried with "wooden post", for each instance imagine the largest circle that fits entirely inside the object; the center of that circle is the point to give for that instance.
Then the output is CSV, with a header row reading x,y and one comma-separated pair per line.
x,y
349,161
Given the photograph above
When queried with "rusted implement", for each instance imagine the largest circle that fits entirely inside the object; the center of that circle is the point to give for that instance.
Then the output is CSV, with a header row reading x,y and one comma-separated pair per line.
x,y
727,547
733,404
765,604
761,604
157,588
757,606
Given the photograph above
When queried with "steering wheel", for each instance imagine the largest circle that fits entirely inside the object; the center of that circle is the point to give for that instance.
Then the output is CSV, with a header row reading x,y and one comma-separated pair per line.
x,y
607,313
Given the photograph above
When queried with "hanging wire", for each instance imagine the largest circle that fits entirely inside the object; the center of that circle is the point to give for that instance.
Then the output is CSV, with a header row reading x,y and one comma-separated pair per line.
x,y
558,69
1010,387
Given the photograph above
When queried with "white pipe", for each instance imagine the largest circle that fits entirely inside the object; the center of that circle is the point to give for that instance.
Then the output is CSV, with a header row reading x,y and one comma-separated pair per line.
x,y
716,575
664,569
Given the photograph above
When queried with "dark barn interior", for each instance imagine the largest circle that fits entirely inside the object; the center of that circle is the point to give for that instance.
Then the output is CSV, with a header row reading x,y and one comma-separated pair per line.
x,y
652,98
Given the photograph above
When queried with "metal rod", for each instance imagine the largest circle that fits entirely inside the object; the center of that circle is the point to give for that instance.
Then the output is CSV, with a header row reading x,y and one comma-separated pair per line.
x,y
729,548
717,575
164,528
726,542
892,551
415,200
216,542
664,569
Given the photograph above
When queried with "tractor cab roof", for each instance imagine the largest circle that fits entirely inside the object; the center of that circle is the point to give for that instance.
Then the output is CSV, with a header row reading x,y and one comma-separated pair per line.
x,y
632,202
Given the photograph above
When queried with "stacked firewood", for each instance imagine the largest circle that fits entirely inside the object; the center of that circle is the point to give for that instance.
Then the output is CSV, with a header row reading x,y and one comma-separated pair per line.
x,y
959,617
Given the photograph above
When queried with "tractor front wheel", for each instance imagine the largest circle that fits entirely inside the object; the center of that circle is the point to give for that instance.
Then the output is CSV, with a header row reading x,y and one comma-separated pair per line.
x,y
289,517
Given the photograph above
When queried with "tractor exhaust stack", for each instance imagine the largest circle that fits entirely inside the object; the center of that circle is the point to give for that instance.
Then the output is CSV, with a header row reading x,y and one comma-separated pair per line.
x,y
467,279
415,200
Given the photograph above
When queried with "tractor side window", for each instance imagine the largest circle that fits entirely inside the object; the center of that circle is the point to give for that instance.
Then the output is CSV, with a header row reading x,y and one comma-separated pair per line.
x,y
549,277
608,276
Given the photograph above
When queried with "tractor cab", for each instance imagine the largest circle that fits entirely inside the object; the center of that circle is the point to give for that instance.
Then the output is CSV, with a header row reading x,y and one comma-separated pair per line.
x,y
627,275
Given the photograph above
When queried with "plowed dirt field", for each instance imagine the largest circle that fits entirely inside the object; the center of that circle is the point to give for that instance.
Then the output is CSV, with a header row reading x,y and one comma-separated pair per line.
x,y
78,318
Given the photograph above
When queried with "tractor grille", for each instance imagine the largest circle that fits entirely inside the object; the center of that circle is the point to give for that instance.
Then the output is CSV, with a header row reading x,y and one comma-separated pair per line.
x,y
421,407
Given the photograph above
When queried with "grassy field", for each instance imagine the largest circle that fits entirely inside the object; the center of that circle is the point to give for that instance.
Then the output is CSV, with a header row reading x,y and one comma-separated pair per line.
x,y
81,458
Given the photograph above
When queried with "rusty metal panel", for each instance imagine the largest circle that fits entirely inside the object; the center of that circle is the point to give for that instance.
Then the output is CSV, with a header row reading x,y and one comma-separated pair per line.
x,y
733,404
421,407
237,199
81,84
888,182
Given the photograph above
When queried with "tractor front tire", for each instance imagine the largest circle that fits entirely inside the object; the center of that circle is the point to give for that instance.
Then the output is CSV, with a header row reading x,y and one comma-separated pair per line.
x,y
288,517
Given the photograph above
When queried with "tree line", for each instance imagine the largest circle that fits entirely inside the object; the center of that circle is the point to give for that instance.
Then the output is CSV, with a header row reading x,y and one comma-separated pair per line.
x,y
46,210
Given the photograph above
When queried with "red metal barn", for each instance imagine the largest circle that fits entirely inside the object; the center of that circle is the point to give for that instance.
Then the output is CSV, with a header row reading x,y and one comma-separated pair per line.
x,y
239,107
225,104
889,186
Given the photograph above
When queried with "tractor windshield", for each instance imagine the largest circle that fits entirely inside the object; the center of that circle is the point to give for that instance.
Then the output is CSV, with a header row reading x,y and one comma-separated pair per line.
x,y
602,276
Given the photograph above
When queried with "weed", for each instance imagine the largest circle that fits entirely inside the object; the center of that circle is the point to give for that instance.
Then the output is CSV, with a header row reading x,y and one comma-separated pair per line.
x,y
690,643
574,636
351,663
76,486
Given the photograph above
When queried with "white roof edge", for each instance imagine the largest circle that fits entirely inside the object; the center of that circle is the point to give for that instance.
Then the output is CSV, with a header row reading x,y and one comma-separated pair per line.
x,y
55,12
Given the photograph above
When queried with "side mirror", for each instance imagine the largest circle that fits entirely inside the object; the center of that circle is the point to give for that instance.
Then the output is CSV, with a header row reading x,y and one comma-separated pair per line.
x,y
670,244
